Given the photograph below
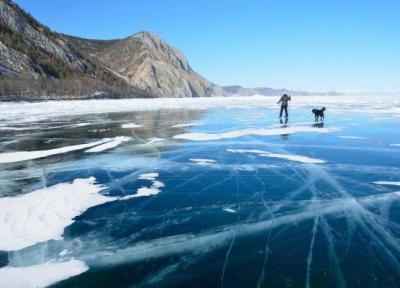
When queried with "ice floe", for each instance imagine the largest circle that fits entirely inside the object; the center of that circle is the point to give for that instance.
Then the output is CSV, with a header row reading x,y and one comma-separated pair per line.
x,y
154,188
41,275
43,214
202,162
297,158
11,157
130,125
109,145
197,136
395,145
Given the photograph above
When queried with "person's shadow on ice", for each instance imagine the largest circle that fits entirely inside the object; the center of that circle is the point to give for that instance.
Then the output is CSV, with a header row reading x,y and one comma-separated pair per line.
x,y
284,125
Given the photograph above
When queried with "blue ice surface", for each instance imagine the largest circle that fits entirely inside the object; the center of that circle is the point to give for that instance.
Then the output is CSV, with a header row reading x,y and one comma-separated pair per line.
x,y
243,221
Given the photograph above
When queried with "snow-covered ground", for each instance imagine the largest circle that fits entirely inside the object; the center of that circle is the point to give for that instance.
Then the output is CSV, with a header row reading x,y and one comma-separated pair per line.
x,y
30,112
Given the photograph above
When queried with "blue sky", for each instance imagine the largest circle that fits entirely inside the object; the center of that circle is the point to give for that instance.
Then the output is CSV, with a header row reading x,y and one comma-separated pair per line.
x,y
310,44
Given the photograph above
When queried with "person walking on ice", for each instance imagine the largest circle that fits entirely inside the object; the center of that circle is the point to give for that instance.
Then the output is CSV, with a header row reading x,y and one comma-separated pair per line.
x,y
284,105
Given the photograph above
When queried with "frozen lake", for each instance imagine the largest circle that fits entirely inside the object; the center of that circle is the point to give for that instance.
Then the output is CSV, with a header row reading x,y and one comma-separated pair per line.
x,y
200,193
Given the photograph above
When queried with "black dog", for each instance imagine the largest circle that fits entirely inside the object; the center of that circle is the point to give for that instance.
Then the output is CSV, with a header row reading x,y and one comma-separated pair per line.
x,y
319,113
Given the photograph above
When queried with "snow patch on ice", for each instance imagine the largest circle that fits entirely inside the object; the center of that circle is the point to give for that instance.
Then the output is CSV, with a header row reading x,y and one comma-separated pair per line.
x,y
187,124
202,162
297,158
63,252
130,125
351,137
154,189
6,128
155,140
395,145
41,275
43,214
229,210
81,124
109,145
392,183
253,131
11,157
148,176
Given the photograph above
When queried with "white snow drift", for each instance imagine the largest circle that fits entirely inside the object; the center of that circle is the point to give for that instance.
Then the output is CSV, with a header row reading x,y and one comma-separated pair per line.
x,y
253,131
130,125
202,162
297,158
11,157
352,137
33,112
101,145
187,124
41,275
154,189
43,214
391,183
109,145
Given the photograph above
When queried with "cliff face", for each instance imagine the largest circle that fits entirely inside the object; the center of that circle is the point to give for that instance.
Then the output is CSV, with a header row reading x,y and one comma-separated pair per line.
x,y
148,62
142,65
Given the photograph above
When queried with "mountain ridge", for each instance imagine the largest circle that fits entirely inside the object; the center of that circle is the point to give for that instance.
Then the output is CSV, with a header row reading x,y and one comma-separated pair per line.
x,y
37,63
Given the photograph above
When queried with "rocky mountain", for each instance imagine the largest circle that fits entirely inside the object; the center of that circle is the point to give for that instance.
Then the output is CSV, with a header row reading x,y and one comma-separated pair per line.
x,y
37,63
146,61
236,90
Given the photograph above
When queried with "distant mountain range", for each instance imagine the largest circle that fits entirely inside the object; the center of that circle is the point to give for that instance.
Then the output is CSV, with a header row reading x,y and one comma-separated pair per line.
x,y
37,63
236,90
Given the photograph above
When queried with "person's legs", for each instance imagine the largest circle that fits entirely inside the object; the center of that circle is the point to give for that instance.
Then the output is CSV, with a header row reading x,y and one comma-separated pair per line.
x,y
286,113
280,113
